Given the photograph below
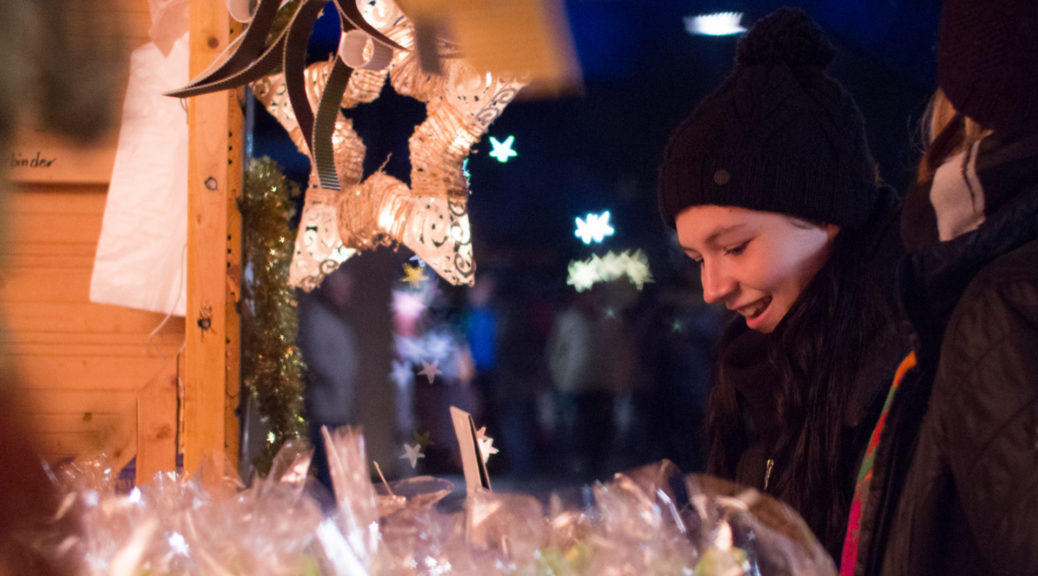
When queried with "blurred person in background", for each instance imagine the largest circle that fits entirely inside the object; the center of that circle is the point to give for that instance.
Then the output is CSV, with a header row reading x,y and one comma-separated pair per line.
x,y
590,366
328,342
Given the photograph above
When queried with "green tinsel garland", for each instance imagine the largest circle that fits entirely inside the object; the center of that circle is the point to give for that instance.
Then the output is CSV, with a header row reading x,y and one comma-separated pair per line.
x,y
272,365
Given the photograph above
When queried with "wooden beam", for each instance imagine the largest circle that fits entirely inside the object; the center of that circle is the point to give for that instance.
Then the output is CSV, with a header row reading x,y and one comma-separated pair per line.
x,y
213,253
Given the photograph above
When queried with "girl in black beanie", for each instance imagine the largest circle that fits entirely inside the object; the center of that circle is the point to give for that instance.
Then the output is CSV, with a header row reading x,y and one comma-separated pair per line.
x,y
773,192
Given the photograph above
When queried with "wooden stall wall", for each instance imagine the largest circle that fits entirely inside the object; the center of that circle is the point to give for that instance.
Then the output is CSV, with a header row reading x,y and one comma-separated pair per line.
x,y
95,378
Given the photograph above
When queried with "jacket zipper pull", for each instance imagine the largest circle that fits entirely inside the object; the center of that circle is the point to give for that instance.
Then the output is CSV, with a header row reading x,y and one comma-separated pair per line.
x,y
767,472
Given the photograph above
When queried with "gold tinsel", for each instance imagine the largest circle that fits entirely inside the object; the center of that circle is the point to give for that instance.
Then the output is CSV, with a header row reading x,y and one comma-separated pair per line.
x,y
272,365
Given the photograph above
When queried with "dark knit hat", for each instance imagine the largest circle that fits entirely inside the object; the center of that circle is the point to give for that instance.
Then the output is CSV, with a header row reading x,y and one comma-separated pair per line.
x,y
778,135
987,62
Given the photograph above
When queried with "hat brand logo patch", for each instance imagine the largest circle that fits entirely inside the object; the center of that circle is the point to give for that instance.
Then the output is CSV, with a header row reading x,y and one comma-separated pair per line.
x,y
721,177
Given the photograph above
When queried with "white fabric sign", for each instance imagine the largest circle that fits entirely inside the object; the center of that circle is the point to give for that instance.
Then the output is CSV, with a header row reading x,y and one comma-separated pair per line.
x,y
141,259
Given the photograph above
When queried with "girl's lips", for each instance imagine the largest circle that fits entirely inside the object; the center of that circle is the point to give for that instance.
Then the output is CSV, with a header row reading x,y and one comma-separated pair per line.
x,y
754,312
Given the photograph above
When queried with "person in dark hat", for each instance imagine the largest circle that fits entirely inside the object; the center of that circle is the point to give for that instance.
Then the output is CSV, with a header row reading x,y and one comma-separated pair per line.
x,y
772,190
951,486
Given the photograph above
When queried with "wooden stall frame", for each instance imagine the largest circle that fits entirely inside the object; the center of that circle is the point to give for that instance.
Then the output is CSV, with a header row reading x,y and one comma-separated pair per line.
x,y
212,357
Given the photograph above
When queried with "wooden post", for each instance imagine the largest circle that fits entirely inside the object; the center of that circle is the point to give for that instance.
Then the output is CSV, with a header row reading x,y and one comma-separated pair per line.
x,y
212,369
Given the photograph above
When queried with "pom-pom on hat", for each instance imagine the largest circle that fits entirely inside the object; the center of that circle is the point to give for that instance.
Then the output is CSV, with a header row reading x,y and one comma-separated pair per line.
x,y
779,134
987,62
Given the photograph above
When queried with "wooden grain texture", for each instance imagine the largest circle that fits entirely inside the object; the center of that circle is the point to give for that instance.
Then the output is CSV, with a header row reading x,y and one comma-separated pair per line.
x,y
214,180
94,378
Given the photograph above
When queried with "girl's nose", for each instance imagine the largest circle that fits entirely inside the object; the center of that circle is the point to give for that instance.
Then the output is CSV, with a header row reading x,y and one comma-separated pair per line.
x,y
717,283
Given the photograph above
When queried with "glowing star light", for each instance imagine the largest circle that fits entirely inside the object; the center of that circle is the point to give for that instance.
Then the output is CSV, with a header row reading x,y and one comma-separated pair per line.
x,y
582,275
486,444
716,24
594,227
502,151
413,275
412,452
430,371
178,544
422,440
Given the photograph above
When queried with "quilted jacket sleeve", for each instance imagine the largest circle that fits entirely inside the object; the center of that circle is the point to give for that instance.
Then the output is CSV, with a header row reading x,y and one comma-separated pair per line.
x,y
985,404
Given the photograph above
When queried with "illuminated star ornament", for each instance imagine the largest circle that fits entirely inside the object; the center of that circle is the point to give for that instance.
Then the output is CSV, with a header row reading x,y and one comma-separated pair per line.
x,y
178,544
413,275
502,151
486,444
430,371
412,452
582,275
594,227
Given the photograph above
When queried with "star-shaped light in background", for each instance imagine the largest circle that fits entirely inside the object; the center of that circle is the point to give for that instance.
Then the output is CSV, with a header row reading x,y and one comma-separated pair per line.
x,y
178,544
409,349
638,269
417,258
412,452
413,275
677,326
422,440
430,370
401,375
437,345
502,151
612,265
594,227
486,444
582,275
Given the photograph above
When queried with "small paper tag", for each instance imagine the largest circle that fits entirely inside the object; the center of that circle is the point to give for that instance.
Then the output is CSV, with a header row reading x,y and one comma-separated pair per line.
x,y
475,469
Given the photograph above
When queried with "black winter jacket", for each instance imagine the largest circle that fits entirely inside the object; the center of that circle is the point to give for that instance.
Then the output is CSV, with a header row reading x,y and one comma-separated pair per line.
x,y
955,482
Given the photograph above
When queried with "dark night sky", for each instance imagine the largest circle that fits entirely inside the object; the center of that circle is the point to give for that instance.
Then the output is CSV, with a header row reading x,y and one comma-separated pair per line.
x,y
642,74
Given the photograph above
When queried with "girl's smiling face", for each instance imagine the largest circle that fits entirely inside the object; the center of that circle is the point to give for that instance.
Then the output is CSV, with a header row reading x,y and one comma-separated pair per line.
x,y
755,263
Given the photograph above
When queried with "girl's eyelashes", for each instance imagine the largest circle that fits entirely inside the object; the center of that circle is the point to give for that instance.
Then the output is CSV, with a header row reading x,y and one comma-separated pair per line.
x,y
737,249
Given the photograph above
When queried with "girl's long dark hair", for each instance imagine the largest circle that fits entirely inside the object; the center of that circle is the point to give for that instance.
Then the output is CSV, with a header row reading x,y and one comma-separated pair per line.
x,y
816,353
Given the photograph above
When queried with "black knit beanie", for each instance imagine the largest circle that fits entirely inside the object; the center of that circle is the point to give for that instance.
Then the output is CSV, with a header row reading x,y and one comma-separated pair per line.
x,y
778,135
987,62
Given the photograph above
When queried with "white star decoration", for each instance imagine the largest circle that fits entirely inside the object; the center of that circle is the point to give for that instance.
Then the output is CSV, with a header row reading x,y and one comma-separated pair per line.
x,y
502,151
412,452
486,444
594,227
178,544
430,370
